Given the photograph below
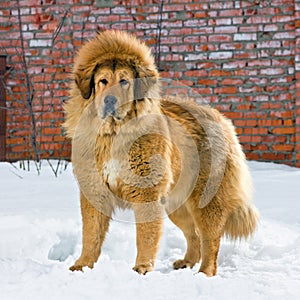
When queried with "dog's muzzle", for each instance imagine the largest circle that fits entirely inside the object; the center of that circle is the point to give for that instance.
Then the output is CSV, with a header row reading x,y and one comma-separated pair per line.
x,y
110,102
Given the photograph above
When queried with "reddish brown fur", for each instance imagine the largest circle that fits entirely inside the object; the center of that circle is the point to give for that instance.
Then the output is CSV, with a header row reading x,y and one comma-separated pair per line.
x,y
103,144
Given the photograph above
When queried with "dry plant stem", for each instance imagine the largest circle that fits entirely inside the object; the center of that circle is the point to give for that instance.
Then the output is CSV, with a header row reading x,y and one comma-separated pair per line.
x,y
30,92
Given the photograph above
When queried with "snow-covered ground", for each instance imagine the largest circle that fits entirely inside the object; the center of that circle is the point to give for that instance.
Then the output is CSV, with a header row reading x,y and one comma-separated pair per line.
x,y
40,237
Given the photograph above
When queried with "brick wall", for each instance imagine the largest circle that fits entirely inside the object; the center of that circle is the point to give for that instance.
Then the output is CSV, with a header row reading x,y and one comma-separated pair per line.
x,y
242,57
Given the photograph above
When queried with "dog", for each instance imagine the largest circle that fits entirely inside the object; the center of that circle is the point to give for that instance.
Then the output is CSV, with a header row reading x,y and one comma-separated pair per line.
x,y
135,148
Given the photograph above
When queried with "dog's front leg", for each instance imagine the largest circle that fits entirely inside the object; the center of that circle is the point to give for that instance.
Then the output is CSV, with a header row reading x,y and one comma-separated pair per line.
x,y
95,225
147,239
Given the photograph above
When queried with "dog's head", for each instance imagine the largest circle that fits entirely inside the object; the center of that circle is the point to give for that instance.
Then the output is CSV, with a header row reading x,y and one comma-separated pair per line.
x,y
117,72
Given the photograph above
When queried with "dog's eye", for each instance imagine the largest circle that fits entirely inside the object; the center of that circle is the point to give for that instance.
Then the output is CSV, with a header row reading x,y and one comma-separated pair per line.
x,y
123,82
104,81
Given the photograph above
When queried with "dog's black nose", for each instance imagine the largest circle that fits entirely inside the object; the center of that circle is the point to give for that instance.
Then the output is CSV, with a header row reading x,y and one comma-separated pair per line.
x,y
110,100
109,105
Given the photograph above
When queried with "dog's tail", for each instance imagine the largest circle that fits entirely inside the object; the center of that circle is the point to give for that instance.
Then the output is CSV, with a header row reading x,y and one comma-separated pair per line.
x,y
242,222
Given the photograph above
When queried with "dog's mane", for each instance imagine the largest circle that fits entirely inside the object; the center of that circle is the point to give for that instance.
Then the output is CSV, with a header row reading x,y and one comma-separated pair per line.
x,y
115,45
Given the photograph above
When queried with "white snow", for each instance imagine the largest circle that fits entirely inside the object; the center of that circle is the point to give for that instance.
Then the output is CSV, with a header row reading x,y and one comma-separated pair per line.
x,y
40,237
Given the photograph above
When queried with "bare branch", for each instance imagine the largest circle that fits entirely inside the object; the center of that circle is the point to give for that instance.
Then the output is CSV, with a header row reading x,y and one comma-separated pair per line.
x,y
30,89
158,36
59,27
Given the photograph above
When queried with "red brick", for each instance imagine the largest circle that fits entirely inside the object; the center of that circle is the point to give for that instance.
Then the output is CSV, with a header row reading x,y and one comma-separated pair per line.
x,y
269,122
244,107
256,139
201,14
51,131
278,19
50,146
52,115
274,139
195,73
226,90
194,23
245,72
233,115
257,98
219,73
187,82
283,148
221,107
206,65
173,7
253,131
230,12
182,48
191,39
231,98
284,130
239,130
253,156
197,6
272,71
45,139
59,138
19,148
207,81
273,156
234,64
260,147
202,91
251,123
269,105
253,89
171,74
259,63
268,44
219,38
282,114
245,138
181,31
15,141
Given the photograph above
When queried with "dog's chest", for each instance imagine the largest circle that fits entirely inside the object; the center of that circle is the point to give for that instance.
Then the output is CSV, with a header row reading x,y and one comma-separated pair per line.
x,y
110,172
108,166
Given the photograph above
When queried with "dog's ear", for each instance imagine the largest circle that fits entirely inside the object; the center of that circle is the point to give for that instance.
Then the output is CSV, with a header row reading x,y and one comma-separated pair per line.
x,y
84,78
145,79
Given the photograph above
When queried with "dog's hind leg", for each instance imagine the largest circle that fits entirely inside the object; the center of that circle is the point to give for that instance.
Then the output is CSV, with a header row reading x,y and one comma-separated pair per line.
x,y
95,225
210,222
182,218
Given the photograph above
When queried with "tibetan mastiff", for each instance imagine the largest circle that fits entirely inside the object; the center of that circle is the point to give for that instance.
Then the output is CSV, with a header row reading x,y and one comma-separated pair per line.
x,y
134,147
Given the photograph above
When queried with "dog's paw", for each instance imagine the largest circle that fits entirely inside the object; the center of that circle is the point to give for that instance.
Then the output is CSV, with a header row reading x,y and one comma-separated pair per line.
x,y
76,268
79,265
182,264
143,268
209,271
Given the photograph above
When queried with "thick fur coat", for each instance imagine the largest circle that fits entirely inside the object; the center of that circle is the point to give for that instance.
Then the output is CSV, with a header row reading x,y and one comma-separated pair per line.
x,y
133,148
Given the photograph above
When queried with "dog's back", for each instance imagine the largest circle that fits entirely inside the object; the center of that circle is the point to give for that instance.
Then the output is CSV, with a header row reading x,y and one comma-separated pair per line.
x,y
224,180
